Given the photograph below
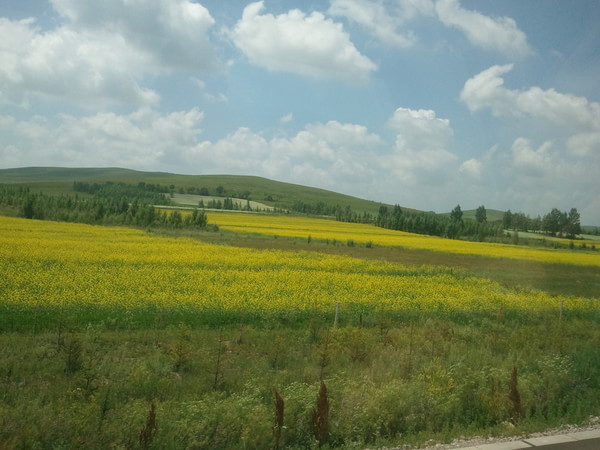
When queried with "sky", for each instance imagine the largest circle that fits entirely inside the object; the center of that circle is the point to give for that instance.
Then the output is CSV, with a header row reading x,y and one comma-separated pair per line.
x,y
422,103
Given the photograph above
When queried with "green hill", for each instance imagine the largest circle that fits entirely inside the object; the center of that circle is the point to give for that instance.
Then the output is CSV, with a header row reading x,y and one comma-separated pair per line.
x,y
56,180
493,215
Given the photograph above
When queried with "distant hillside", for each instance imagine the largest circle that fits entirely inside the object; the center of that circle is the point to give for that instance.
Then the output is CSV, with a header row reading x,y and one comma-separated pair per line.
x,y
493,215
56,180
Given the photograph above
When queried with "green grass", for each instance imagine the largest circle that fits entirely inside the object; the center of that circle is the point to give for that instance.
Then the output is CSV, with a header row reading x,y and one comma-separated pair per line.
x,y
391,383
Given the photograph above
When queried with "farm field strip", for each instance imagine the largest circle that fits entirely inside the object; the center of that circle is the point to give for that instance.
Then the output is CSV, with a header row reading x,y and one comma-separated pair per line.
x,y
302,227
67,265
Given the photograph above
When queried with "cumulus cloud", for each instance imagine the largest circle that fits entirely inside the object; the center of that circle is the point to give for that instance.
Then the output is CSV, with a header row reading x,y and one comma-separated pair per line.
x,y
471,168
563,169
144,139
499,34
420,154
100,52
383,19
173,32
67,65
421,128
322,154
486,91
533,162
287,118
585,144
309,45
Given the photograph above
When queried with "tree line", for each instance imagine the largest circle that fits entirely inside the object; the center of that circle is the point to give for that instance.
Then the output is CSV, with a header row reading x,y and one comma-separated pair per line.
x,y
117,203
106,204
555,223
455,225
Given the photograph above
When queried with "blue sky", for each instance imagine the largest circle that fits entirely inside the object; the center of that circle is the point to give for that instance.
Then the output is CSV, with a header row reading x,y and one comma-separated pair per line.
x,y
424,103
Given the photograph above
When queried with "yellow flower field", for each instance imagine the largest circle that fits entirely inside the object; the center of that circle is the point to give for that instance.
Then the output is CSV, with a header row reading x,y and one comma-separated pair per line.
x,y
61,264
302,227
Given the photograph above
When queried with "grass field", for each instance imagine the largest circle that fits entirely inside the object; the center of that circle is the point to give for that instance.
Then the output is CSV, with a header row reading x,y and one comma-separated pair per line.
x,y
194,200
119,338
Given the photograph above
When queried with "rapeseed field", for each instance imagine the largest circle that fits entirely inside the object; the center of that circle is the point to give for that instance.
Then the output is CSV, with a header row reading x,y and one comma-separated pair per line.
x,y
60,265
302,227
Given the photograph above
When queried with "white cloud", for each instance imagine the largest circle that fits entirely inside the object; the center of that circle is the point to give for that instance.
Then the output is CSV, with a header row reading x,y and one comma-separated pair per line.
x,y
173,32
308,45
144,139
486,91
217,97
287,118
533,162
421,128
329,155
67,65
471,168
242,152
585,144
420,153
384,20
560,172
102,51
500,34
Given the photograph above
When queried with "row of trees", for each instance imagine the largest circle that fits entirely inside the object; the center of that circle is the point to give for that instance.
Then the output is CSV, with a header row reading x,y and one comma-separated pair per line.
x,y
100,208
227,203
111,188
121,203
219,191
554,223
452,226
455,225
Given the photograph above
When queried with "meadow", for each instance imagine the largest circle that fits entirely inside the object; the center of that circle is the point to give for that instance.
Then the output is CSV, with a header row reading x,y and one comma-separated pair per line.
x,y
115,337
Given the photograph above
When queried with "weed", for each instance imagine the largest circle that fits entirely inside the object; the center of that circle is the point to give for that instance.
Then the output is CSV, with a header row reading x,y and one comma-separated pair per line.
x,y
514,396
320,416
279,414
74,356
180,354
149,429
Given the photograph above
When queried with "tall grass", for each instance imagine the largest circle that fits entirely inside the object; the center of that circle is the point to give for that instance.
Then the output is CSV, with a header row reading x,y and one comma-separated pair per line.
x,y
430,379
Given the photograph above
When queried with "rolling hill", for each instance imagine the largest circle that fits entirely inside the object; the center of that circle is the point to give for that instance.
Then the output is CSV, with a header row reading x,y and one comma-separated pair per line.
x,y
56,180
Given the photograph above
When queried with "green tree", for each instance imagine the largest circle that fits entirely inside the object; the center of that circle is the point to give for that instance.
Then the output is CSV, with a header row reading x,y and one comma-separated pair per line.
x,y
573,224
28,207
554,221
520,221
197,219
507,220
481,214
456,214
